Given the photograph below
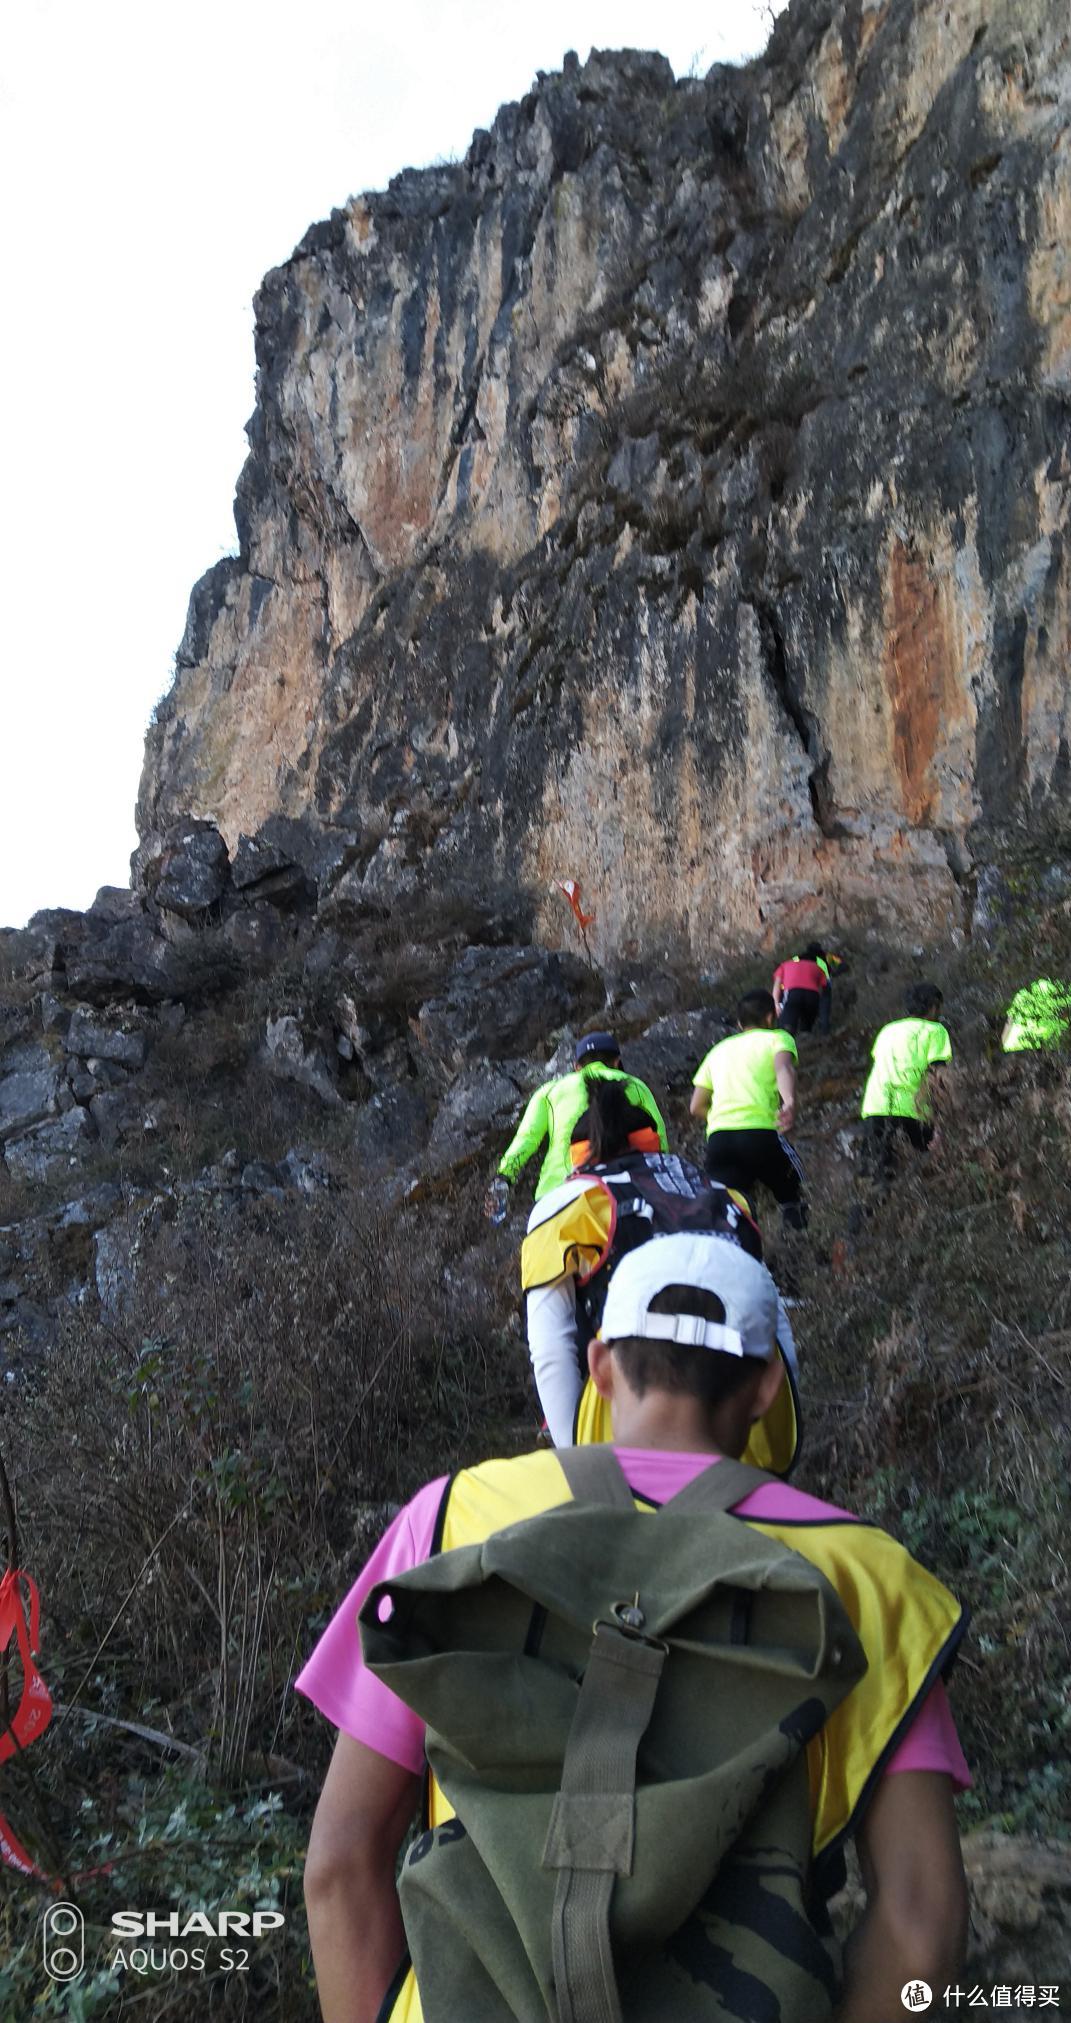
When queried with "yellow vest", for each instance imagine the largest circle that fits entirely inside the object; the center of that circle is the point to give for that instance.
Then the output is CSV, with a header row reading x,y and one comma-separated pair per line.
x,y
909,1625
576,1238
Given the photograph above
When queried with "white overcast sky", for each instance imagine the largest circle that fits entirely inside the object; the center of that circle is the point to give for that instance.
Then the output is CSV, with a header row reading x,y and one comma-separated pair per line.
x,y
155,161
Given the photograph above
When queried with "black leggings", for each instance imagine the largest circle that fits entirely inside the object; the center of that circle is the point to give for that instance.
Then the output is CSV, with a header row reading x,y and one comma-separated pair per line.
x,y
882,1141
799,1011
741,1158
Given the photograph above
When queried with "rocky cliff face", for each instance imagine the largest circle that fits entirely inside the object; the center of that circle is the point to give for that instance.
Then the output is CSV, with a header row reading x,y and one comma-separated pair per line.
x,y
673,493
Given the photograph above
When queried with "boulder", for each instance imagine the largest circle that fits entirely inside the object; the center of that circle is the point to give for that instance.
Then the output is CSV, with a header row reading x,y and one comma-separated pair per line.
x,y
133,960
40,950
57,1142
115,1255
114,903
89,1210
323,851
640,999
90,1040
502,1001
473,1119
264,871
304,1170
994,904
292,1058
257,935
186,870
256,858
667,1055
391,1128
55,1016
118,1114
30,1085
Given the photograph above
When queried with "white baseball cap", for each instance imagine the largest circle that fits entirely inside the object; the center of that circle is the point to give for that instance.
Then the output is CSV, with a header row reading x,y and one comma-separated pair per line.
x,y
710,1264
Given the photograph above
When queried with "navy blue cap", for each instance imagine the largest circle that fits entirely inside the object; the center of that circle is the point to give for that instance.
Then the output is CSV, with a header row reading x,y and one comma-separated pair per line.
x,y
596,1043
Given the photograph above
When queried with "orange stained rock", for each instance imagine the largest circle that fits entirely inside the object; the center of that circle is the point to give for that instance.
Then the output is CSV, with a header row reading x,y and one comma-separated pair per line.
x,y
921,655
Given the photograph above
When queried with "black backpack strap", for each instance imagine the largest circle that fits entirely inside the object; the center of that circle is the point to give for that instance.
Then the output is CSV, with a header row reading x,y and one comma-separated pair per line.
x,y
595,1475
720,1486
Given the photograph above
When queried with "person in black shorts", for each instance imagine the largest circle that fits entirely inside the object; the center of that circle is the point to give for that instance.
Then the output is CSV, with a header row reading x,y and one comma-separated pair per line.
x,y
801,991
746,1091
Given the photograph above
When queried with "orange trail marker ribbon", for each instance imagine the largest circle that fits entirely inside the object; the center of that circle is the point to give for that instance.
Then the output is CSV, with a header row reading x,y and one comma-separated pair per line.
x,y
34,1711
571,889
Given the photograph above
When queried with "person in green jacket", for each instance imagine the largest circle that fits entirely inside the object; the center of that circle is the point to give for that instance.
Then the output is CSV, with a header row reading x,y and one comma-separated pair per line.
x,y
1037,1018
896,1101
555,1108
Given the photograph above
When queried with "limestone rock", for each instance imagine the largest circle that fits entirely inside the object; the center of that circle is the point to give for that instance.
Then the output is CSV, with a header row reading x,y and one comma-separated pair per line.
x,y
29,1088
500,1001
57,1142
186,870
88,1038
264,871
667,1055
475,1115
131,959
114,903
291,1057
257,936
117,1114
391,1128
673,494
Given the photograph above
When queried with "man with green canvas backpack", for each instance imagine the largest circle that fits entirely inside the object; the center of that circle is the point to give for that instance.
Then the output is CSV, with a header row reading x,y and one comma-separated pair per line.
x,y
646,1741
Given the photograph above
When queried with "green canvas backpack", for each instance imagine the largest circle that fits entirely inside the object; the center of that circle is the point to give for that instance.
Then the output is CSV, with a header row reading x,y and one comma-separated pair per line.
x,y
617,1711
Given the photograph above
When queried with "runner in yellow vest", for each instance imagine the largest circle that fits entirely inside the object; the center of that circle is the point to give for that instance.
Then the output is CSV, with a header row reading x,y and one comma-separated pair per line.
x,y
896,1106
1037,1018
686,1364
554,1109
745,1089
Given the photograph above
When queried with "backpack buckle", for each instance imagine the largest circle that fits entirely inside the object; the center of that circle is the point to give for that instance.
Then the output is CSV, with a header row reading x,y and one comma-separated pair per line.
x,y
629,1614
627,1619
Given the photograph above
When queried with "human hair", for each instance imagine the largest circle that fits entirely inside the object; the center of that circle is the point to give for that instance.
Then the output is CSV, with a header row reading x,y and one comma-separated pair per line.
x,y
814,952
923,1000
609,1118
754,1009
685,1369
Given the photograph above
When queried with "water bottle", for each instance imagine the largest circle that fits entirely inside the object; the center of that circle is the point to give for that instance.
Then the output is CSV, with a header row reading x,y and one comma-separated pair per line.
x,y
497,1202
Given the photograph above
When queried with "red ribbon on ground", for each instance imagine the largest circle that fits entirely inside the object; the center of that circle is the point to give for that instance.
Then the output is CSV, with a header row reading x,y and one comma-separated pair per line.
x,y
34,1711
571,889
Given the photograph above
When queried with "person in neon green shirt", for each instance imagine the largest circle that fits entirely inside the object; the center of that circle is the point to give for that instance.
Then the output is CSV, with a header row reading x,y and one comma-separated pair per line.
x,y
1038,1017
555,1108
745,1089
896,1100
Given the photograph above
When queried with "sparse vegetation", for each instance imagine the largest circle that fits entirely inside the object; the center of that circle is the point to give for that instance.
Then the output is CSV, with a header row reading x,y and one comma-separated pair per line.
x,y
201,1472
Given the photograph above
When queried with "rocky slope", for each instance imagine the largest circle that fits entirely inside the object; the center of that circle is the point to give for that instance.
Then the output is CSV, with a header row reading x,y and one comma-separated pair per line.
x,y
674,492
248,1301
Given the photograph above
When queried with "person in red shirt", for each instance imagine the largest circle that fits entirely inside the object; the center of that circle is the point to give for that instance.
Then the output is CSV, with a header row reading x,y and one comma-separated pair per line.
x,y
801,991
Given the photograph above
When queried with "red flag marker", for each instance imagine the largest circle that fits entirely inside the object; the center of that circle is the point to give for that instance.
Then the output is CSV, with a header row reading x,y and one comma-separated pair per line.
x,y
571,889
34,1711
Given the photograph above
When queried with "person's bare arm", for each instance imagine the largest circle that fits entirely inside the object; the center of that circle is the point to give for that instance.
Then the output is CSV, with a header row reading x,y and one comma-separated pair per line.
x,y
777,991
785,1070
355,1923
915,1924
700,1103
